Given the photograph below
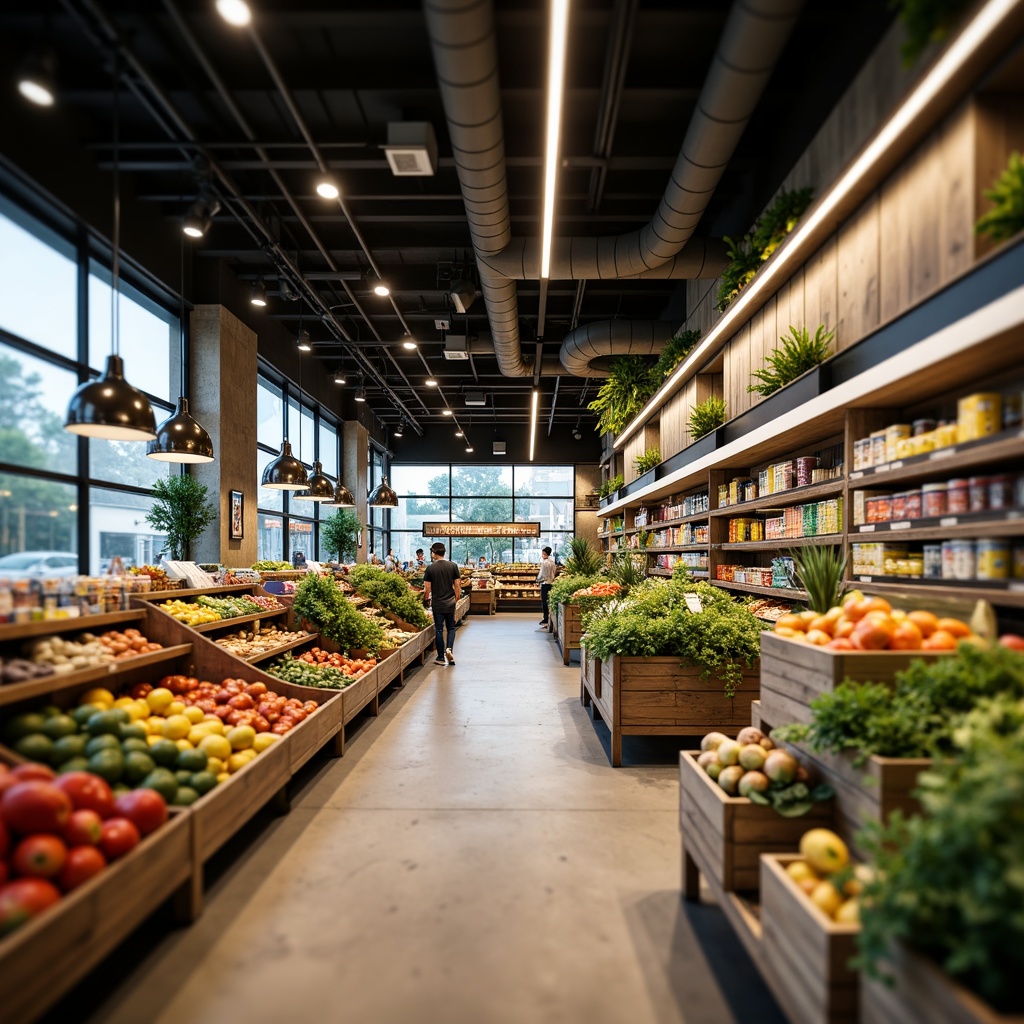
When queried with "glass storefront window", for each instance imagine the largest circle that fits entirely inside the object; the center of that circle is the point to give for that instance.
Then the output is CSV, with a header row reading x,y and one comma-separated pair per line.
x,y
269,538
38,518
117,526
300,431
481,510
328,450
551,513
412,513
267,497
538,480
473,481
126,462
269,414
300,538
415,480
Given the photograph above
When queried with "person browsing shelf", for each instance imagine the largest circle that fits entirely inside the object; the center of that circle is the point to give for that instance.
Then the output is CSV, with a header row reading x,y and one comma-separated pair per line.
x,y
442,588
545,577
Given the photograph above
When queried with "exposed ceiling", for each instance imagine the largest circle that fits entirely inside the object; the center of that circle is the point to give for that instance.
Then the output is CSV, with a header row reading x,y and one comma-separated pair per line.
x,y
309,80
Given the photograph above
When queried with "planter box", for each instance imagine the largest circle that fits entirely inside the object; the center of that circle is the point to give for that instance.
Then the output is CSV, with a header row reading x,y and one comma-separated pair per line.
x,y
809,385
660,697
590,676
726,835
43,959
794,673
362,692
569,630
923,992
805,954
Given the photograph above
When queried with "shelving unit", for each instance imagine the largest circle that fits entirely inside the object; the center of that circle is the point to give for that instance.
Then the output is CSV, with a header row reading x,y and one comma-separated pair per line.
x,y
525,590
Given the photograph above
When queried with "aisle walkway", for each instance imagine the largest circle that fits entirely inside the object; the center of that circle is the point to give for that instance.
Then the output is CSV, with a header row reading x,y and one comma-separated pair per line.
x,y
472,858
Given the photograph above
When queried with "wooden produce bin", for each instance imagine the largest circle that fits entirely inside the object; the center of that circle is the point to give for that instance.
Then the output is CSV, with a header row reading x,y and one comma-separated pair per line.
x,y
45,958
482,602
391,662
462,607
794,673
805,955
923,993
661,697
568,630
724,836
361,693
590,676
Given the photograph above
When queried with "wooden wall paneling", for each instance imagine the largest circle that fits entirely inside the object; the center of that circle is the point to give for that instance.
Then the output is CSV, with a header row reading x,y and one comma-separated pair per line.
x,y
652,435
821,288
998,131
671,432
689,400
734,367
956,167
857,269
634,447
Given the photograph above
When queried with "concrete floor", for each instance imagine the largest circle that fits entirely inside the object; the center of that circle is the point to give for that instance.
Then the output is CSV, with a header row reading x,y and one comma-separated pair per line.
x,y
472,858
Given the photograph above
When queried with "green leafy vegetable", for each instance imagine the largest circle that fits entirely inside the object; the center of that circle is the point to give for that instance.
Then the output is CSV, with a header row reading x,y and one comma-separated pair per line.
x,y
301,673
389,590
318,600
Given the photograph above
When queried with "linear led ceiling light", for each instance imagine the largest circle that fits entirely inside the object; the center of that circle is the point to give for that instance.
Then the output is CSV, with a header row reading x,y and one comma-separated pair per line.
x,y
234,12
533,421
556,88
326,189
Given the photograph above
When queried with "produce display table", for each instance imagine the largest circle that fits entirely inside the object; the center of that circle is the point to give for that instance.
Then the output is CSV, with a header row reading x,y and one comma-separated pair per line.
x,y
482,602
568,630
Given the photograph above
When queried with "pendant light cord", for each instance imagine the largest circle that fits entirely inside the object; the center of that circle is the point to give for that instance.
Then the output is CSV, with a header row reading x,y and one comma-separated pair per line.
x,y
115,324
299,350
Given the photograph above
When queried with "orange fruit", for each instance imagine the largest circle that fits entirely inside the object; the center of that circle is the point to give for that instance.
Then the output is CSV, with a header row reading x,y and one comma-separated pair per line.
x,y
785,631
940,640
871,635
906,637
822,624
841,643
791,622
818,637
927,622
954,627
843,628
808,616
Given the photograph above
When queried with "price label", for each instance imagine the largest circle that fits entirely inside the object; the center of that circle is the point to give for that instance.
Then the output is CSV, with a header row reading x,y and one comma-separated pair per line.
x,y
884,468
942,453
870,528
896,465
865,579
693,603
900,526
949,521
857,475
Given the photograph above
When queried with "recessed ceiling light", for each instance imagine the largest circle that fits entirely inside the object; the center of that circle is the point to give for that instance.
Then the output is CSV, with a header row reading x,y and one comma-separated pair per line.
x,y
446,412
430,382
259,294
234,12
381,289
409,344
327,189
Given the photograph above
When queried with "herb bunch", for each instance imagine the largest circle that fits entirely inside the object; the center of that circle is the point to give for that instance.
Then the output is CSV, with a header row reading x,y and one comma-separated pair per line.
x,y
319,601
388,590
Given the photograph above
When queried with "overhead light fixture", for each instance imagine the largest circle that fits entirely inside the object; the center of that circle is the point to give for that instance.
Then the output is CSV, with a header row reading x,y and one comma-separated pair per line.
x,y
110,407
234,12
180,438
430,382
533,421
469,448
382,496
326,189
200,216
259,293
381,289
400,429
459,433
320,487
556,86
446,412
342,498
339,377
410,345
36,78
360,394
285,473
304,342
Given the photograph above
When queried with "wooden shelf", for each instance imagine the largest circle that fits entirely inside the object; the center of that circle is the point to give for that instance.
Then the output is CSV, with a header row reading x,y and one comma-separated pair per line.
x,y
750,588
793,496
14,692
944,462
778,545
697,517
207,627
654,548
212,591
1008,593
77,624
1010,524
254,658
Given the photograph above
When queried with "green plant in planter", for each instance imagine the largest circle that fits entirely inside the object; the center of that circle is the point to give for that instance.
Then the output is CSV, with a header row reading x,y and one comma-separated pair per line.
x,y
627,569
819,570
674,353
318,600
338,534
926,22
706,416
798,353
1006,218
567,584
584,559
648,460
181,509
389,590
611,485
630,383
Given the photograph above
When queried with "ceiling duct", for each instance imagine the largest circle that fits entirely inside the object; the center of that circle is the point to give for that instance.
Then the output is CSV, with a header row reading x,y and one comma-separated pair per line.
x,y
465,55
588,351
456,347
411,149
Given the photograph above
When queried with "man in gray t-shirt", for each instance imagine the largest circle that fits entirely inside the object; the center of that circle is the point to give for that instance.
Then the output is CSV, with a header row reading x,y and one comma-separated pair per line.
x,y
545,577
442,588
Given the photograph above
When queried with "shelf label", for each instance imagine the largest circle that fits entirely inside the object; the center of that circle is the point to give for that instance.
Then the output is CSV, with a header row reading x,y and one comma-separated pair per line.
x,y
1016,587
868,529
865,579
693,603
857,475
901,525
884,468
896,465
942,453
949,521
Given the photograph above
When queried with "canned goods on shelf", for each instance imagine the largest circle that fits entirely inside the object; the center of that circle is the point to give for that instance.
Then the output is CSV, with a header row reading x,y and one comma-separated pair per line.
x,y
1000,492
977,491
958,497
933,500
932,561
913,505
993,559
964,560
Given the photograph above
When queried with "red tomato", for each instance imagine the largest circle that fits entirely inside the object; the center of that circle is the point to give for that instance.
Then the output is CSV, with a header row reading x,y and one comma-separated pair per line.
x,y
222,711
222,696
87,791
83,862
35,806
22,899
119,836
281,727
144,808
242,702
39,857
84,828
24,772
5,840
140,690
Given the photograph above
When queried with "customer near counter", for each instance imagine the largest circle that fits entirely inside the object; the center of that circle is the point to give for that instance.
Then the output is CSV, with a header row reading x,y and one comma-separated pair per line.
x,y
420,562
442,588
545,577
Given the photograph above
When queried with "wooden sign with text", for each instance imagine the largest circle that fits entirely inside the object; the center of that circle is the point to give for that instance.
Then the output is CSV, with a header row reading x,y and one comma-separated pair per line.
x,y
481,529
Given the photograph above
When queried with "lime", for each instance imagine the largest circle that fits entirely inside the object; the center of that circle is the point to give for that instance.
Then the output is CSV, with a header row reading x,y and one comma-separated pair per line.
x,y
203,782
74,764
186,795
132,731
23,725
163,782
98,743
67,747
106,722
82,714
35,746
127,746
192,760
107,764
137,765
164,752
184,776
60,725
50,711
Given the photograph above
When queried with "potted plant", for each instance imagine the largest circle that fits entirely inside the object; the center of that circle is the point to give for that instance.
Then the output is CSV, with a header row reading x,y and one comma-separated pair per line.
x,y
1006,217
674,353
706,417
338,534
181,510
798,353
631,382
647,461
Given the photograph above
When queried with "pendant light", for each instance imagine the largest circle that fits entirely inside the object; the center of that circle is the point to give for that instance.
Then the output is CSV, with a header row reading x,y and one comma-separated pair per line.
x,y
285,473
320,487
180,438
342,498
382,496
110,407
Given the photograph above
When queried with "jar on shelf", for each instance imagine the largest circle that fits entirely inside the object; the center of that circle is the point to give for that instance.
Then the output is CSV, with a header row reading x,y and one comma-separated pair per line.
x,y
958,497
933,500
923,426
964,560
912,506
977,491
1000,492
899,505
931,558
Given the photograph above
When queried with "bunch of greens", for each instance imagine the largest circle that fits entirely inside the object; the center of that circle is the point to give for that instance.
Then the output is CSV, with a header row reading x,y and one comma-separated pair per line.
x,y
319,601
648,460
566,585
819,570
269,565
919,715
389,590
1006,218
706,416
611,485
674,353
584,559
631,382
798,353
291,670
950,883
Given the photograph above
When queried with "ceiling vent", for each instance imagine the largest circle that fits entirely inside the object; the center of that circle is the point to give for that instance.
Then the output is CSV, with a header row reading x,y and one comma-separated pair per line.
x,y
455,347
498,447
475,398
411,148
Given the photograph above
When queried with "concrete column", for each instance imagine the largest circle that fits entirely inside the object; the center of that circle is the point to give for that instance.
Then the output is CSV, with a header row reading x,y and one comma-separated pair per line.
x,y
223,389
355,454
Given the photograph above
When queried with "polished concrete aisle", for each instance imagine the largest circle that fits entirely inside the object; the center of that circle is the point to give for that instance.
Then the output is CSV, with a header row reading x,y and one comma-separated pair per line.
x,y
472,858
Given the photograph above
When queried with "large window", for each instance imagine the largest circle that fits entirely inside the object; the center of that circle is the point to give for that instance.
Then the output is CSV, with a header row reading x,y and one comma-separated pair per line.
x,y
69,505
477,494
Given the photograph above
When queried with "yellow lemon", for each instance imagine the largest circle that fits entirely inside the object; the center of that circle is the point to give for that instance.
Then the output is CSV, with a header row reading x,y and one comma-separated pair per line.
x,y
177,727
240,759
196,735
155,724
215,724
194,715
223,777
215,765
99,697
124,702
176,707
154,737
159,699
216,746
184,744
137,710
264,740
241,737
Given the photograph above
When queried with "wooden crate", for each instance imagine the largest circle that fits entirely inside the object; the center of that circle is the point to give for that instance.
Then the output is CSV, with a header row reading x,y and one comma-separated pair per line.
x,y
590,676
726,835
43,959
806,955
568,630
923,993
794,673
362,692
482,602
462,607
390,663
661,697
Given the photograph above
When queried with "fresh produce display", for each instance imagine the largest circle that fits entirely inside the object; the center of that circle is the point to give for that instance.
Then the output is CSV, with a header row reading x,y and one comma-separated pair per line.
x,y
766,608
269,565
919,715
872,624
189,612
319,601
265,602
55,654
388,590
566,585
751,766
354,667
603,589
396,637
214,609
21,670
303,673
827,876
948,882
159,579
248,643
57,832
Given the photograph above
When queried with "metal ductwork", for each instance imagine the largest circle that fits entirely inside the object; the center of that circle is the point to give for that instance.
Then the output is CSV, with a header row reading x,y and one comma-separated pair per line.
x,y
588,351
465,55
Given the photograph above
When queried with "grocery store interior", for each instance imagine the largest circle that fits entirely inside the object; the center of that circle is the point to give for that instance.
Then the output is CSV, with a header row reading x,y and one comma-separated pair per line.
x,y
661,317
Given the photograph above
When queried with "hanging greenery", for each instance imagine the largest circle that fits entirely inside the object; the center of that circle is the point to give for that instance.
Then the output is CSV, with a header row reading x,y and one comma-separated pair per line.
x,y
926,22
771,229
798,353
1006,217
674,353
630,383
706,417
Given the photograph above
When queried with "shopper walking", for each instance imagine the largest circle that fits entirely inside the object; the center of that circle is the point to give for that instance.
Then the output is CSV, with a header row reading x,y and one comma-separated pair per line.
x,y
545,577
442,587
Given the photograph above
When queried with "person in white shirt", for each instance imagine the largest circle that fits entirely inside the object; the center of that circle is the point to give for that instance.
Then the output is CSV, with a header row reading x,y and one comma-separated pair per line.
x,y
545,577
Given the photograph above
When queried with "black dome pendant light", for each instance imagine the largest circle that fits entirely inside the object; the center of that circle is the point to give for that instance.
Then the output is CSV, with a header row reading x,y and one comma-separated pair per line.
x,y
342,498
287,473
382,496
110,407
